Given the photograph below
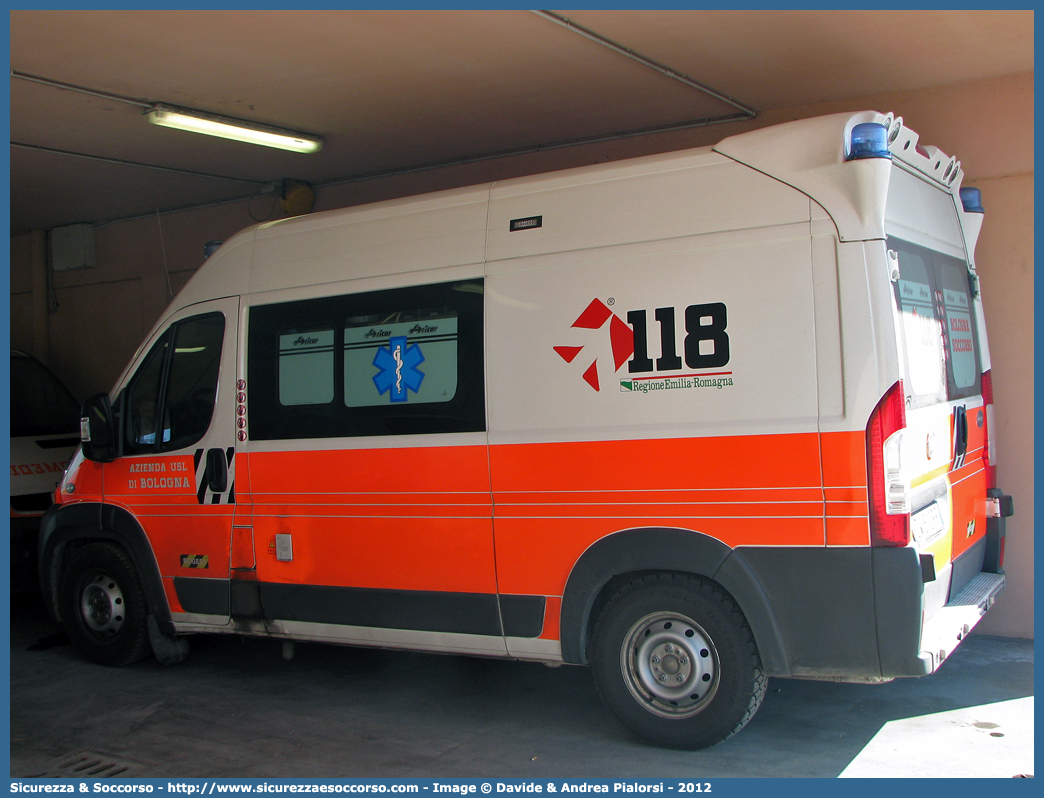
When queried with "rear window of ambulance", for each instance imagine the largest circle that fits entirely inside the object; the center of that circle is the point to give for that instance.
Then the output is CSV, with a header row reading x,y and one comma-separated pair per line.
x,y
936,309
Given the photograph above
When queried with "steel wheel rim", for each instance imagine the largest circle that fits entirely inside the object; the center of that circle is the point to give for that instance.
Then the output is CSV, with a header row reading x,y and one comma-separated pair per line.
x,y
102,608
670,665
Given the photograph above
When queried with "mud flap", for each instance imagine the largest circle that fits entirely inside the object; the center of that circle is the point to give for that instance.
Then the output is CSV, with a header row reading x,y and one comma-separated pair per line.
x,y
168,650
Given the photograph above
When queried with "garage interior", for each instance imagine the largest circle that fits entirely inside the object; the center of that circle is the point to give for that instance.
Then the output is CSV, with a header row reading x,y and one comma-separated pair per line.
x,y
408,102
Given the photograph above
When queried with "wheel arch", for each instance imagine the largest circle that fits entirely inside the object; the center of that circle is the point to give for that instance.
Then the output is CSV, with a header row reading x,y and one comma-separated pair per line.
x,y
616,559
67,527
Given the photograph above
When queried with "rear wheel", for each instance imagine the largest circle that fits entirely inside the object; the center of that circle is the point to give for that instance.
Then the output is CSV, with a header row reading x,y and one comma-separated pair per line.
x,y
675,660
103,605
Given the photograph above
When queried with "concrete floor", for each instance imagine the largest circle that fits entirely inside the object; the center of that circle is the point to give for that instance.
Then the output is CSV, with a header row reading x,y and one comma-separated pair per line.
x,y
237,709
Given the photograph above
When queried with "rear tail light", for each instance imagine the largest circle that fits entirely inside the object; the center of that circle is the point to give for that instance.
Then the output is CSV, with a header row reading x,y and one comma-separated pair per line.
x,y
989,453
886,481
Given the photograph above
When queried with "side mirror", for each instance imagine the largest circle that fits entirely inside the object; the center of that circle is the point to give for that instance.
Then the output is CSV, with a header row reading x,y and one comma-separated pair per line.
x,y
96,429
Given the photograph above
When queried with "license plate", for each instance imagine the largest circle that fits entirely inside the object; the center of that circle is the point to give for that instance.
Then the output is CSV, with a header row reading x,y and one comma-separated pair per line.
x,y
927,524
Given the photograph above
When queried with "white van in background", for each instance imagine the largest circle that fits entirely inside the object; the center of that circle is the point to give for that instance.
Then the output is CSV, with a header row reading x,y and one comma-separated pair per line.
x,y
45,430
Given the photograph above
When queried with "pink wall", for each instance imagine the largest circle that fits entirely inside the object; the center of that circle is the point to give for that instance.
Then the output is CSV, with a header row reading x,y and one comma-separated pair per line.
x,y
102,314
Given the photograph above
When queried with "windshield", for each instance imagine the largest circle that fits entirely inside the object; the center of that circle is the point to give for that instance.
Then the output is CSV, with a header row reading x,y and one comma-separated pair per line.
x,y
40,404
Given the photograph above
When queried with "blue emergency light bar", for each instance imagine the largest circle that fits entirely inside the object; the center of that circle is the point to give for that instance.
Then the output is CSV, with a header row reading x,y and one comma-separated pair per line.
x,y
971,199
869,140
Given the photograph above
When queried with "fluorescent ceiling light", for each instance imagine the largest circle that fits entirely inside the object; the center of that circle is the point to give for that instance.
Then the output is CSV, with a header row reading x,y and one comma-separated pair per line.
x,y
235,129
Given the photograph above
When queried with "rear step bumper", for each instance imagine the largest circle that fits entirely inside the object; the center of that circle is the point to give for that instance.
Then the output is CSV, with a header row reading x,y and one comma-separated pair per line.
x,y
950,624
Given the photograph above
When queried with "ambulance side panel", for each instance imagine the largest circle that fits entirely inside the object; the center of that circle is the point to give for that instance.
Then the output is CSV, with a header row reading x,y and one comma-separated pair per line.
x,y
397,237
604,467
387,521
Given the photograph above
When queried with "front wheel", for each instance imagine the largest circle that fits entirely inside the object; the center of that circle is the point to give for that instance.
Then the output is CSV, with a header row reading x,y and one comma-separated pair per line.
x,y
103,605
675,661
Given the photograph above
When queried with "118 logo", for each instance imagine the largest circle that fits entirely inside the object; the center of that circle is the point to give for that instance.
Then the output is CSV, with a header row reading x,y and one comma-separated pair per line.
x,y
704,346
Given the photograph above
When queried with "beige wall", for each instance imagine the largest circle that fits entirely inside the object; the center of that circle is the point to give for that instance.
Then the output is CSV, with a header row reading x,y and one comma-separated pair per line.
x,y
1005,264
102,314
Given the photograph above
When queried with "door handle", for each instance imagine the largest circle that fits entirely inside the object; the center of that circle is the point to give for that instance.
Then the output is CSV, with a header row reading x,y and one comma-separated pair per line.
x,y
217,471
960,435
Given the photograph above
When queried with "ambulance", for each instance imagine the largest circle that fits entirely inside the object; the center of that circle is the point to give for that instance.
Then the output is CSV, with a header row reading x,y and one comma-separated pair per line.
x,y
693,420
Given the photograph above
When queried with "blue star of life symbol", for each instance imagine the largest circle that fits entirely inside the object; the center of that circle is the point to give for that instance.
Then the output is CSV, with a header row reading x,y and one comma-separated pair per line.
x,y
398,368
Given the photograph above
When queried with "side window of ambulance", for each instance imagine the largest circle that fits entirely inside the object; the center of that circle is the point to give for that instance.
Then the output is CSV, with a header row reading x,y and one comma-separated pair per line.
x,y
170,400
398,362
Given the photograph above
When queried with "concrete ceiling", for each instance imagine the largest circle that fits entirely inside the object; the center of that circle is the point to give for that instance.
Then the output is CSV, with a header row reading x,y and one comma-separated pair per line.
x,y
393,90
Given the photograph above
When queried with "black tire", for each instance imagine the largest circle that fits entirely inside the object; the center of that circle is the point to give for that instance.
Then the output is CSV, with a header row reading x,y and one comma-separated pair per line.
x,y
103,605
675,661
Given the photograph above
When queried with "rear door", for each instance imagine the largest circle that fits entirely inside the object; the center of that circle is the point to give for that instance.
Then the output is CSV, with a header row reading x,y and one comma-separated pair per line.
x,y
946,416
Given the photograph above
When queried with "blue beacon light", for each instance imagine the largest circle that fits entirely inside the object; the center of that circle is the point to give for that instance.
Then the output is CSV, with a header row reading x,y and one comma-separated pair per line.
x,y
971,200
869,140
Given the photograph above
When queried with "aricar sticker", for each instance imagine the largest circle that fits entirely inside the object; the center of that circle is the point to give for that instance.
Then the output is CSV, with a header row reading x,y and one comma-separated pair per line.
x,y
306,361
397,350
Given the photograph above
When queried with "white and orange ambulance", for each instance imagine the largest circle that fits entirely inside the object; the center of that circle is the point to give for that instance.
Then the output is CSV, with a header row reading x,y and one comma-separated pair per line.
x,y
692,419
